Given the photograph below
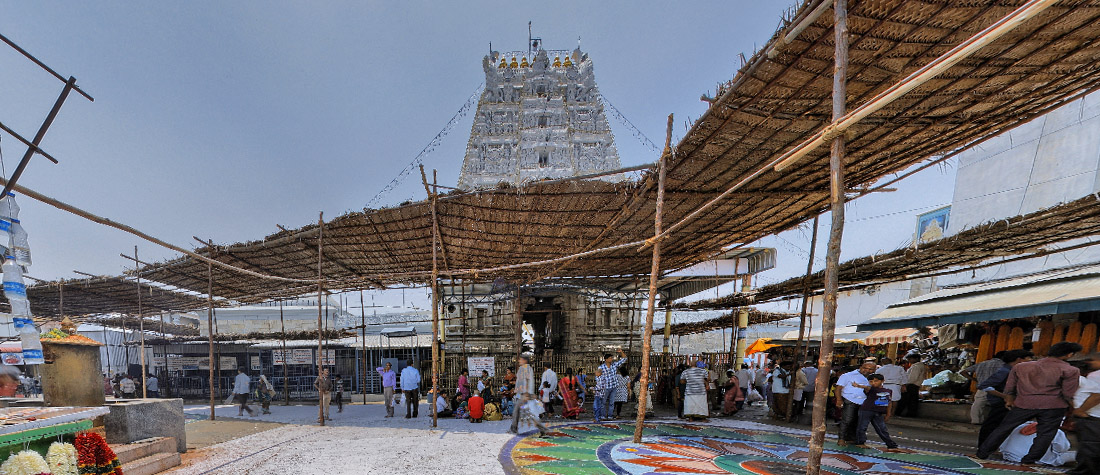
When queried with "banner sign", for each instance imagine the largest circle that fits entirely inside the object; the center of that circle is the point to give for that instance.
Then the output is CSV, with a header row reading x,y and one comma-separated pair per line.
x,y
477,364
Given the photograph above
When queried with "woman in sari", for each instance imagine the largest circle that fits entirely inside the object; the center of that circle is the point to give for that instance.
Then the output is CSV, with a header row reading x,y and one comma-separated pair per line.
x,y
567,388
733,394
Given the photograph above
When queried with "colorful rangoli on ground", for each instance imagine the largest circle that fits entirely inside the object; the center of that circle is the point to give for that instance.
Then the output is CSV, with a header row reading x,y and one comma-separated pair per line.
x,y
702,449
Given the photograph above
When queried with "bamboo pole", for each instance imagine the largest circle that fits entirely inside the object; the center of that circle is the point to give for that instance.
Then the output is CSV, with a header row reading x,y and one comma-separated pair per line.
x,y
654,273
435,302
836,231
363,315
668,327
802,349
286,378
210,329
320,324
141,330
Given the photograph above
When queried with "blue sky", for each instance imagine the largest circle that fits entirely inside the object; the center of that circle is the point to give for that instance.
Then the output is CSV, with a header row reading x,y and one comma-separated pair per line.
x,y
221,120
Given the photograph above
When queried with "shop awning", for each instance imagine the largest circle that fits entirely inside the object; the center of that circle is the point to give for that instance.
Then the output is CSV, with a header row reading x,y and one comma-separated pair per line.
x,y
886,337
1049,293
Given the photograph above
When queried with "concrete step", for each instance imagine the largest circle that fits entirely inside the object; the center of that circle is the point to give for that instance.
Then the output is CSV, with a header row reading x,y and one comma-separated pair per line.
x,y
144,448
152,464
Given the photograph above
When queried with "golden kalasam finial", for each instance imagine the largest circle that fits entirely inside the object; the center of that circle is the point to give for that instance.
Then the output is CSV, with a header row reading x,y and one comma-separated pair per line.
x,y
524,64
503,63
567,62
513,64
557,61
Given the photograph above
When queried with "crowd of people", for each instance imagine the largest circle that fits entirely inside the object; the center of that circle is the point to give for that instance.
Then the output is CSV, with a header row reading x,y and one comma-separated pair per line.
x,y
1023,403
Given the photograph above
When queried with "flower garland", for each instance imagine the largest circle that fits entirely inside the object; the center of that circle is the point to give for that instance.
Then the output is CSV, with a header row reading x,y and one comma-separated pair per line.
x,y
62,459
27,462
94,456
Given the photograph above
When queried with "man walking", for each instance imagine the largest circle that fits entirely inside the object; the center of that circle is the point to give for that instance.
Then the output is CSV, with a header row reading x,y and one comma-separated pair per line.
x,y
241,388
525,390
127,387
389,382
893,377
910,393
978,373
609,370
324,393
852,396
1042,390
410,385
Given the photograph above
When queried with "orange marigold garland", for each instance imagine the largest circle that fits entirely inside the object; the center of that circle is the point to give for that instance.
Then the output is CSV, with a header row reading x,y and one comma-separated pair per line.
x,y
94,456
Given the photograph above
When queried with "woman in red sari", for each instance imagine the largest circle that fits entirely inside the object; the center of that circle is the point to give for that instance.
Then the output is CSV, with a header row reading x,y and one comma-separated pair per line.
x,y
733,394
567,388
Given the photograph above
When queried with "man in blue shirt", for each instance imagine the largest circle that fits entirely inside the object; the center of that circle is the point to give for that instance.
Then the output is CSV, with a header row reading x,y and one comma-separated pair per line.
x,y
389,381
410,385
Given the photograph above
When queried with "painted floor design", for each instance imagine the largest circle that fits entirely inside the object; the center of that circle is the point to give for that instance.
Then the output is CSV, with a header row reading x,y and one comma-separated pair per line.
x,y
677,448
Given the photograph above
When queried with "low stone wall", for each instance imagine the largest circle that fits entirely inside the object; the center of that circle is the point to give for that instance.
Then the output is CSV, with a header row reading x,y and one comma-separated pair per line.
x,y
136,420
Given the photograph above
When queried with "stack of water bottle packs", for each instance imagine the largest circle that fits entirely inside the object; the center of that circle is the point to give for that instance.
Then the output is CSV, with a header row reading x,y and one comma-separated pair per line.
x,y
17,257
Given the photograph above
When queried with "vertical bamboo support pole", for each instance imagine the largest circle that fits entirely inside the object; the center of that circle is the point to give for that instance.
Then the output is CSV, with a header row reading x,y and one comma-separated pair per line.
x,y
733,342
320,323
836,231
654,273
435,309
363,316
286,378
141,327
802,349
668,327
210,329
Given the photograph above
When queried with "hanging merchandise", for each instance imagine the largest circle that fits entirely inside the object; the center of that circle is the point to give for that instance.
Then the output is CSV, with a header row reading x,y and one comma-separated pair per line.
x,y
61,458
14,288
19,246
94,456
27,462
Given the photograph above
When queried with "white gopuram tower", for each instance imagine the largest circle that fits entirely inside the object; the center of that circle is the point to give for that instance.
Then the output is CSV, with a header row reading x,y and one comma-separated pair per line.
x,y
540,117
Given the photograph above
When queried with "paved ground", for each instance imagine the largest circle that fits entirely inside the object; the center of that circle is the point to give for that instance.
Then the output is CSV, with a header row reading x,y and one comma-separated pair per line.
x,y
360,440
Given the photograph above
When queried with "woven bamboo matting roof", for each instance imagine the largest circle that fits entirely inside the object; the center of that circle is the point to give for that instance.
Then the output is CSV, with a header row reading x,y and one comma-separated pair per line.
x,y
1020,236
106,294
774,102
727,321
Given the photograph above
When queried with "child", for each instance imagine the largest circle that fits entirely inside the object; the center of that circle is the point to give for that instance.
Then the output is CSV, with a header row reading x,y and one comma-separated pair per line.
x,y
598,392
875,410
476,407
546,395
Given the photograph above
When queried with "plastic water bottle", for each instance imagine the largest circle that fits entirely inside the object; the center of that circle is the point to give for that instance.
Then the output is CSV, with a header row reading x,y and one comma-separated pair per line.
x,y
32,346
14,288
5,234
9,209
19,247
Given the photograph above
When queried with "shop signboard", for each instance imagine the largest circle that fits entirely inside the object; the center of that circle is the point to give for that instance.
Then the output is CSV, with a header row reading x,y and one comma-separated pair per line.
x,y
328,358
255,360
293,357
477,364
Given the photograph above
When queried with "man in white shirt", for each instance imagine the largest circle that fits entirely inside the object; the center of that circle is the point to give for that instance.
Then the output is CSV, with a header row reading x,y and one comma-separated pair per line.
x,y
1086,414
851,397
241,387
910,395
810,371
894,377
152,386
745,377
781,389
549,377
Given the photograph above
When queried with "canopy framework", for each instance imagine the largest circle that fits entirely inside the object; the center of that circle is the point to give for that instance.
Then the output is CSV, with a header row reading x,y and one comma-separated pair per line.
x,y
1023,236
779,98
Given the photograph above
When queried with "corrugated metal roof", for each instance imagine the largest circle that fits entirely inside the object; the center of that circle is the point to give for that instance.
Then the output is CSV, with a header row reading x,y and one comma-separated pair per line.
x,y
1052,293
